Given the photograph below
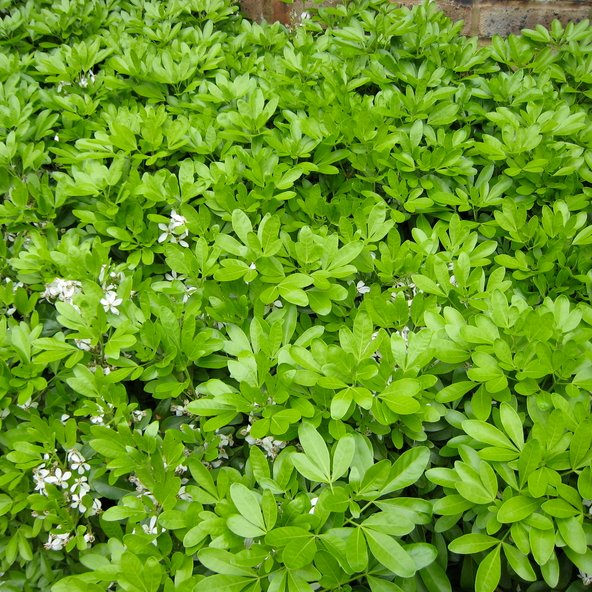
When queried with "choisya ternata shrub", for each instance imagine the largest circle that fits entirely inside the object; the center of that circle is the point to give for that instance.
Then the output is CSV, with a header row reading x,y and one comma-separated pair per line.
x,y
292,309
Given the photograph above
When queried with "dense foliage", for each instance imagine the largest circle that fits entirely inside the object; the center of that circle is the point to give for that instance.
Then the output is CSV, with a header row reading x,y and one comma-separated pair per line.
x,y
292,309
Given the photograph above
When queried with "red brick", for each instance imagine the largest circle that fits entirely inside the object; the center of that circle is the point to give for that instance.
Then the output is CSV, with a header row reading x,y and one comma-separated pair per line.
x,y
252,9
506,18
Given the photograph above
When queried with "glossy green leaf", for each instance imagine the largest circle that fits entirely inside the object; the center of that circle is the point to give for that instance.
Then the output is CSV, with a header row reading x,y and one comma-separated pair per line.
x,y
489,571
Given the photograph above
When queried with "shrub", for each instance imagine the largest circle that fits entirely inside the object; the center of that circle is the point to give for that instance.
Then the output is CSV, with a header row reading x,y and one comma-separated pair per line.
x,y
292,309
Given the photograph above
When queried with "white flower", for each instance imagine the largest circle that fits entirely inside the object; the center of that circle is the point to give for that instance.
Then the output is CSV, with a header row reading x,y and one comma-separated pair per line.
x,y
168,230
177,220
28,404
173,275
89,538
404,333
272,447
453,280
40,475
165,234
313,503
80,486
64,418
151,527
97,419
183,495
188,291
59,478
110,302
56,138
362,288
77,502
252,266
83,344
77,461
138,415
56,542
96,506
83,82
586,578
225,440
179,410
61,289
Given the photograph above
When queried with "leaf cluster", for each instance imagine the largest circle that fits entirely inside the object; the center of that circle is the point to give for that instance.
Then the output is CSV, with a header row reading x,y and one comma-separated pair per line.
x,y
292,309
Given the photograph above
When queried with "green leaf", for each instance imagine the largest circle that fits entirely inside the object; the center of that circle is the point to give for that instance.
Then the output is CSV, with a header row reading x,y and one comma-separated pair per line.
x,y
573,534
551,572
454,391
519,563
517,508
542,544
559,508
248,504
472,543
241,225
512,425
585,483
225,583
357,551
308,469
408,469
389,553
486,433
489,572
242,527
222,562
300,552
382,585
281,536
315,448
343,455
580,444
435,578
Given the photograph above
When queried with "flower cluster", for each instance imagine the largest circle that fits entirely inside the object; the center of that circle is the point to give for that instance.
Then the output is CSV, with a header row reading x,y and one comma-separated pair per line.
x,y
110,282
73,480
404,333
453,281
225,441
180,410
175,231
57,541
408,288
141,489
63,290
111,301
362,288
585,577
84,78
173,276
270,446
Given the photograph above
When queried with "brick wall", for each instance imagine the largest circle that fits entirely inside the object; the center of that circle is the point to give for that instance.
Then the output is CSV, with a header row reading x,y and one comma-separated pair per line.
x,y
484,18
